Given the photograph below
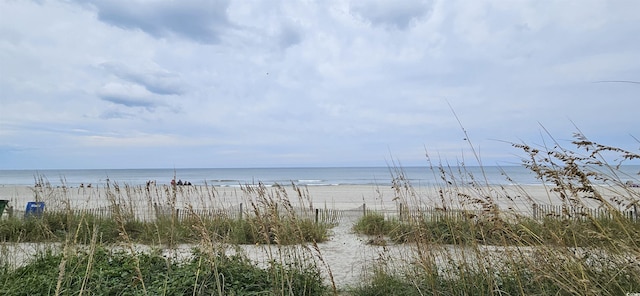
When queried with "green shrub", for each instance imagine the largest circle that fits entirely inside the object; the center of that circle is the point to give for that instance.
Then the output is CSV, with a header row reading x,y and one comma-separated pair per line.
x,y
375,224
120,273
57,226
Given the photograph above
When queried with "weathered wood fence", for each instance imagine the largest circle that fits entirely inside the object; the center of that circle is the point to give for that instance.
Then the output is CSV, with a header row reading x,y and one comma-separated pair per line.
x,y
541,211
239,211
334,216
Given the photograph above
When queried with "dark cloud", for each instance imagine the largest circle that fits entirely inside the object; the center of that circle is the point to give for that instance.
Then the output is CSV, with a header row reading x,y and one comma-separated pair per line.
x,y
127,101
128,95
395,14
199,20
157,81
6,149
289,36
116,114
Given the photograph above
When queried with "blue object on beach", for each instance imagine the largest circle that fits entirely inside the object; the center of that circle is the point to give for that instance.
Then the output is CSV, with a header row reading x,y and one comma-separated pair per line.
x,y
34,208
3,204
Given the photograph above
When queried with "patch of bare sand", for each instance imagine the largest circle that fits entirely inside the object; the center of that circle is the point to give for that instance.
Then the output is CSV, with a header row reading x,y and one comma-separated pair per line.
x,y
346,254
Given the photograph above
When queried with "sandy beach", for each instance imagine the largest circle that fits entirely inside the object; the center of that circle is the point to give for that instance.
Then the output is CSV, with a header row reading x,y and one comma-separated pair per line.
x,y
340,197
346,254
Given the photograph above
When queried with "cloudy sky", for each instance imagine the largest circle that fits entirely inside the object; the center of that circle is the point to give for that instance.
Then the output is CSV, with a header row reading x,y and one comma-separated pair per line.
x,y
203,83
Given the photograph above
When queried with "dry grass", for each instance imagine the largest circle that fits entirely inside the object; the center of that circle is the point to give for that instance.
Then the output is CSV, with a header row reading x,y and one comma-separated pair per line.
x,y
468,243
165,218
492,250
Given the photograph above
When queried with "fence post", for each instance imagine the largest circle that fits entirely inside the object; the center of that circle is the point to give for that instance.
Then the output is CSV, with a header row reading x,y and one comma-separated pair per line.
x,y
400,214
240,211
317,216
155,208
364,209
535,211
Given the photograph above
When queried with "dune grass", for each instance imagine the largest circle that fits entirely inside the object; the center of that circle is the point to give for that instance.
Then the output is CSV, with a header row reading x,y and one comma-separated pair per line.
x,y
550,231
492,250
268,220
56,226
469,244
99,253
107,272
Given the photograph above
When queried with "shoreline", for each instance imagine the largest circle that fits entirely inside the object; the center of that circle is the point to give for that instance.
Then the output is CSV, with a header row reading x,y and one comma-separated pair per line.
x,y
348,255
340,197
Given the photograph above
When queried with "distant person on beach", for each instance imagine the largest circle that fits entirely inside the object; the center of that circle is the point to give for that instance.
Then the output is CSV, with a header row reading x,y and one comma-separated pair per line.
x,y
179,182
631,184
173,182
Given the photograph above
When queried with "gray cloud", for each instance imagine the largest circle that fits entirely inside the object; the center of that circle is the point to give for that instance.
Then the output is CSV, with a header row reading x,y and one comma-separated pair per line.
x,y
199,20
124,99
396,14
116,114
129,95
155,80
289,36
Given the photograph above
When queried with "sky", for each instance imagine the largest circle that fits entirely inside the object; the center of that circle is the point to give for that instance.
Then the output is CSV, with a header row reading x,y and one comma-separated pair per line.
x,y
207,83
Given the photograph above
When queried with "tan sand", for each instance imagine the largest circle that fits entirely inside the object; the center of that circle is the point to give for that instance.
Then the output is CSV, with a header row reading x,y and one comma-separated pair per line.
x,y
347,254
342,197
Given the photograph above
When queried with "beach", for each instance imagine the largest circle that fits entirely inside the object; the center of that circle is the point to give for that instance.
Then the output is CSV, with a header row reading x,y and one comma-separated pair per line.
x,y
339,197
347,255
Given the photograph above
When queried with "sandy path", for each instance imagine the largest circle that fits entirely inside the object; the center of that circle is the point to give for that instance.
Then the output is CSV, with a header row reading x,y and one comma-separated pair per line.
x,y
348,255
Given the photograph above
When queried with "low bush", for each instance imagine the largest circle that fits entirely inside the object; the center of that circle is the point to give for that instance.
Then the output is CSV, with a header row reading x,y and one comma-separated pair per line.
x,y
57,226
105,272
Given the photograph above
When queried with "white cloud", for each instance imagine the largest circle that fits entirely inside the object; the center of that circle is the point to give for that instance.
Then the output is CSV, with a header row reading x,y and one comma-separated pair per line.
x,y
236,83
137,140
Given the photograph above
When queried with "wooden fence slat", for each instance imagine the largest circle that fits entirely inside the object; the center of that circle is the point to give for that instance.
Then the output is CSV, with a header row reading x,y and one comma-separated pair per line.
x,y
579,213
333,216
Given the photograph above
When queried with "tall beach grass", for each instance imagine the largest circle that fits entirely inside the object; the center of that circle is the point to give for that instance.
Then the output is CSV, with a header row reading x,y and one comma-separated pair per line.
x,y
482,239
463,236
129,240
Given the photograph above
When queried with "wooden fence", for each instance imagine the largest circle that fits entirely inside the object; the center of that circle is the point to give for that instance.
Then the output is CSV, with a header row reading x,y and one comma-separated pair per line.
x,y
335,216
541,211
436,214
239,211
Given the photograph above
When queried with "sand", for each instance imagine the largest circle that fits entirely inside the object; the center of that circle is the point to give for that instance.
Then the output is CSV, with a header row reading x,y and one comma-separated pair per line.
x,y
337,197
347,255
342,197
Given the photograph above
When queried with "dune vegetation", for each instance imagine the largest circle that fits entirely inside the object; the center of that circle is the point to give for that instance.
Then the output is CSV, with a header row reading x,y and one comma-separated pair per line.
x,y
141,242
590,245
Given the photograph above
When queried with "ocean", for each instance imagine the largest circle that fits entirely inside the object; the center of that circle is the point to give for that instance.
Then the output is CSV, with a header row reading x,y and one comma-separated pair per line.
x,y
310,176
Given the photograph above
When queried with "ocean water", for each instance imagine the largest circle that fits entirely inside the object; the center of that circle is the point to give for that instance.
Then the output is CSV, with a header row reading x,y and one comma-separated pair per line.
x,y
312,176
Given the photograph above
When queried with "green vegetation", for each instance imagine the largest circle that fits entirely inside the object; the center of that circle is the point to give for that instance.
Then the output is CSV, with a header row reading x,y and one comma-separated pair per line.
x,y
104,272
525,231
589,246
100,252
516,280
375,224
263,223
57,226
467,243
